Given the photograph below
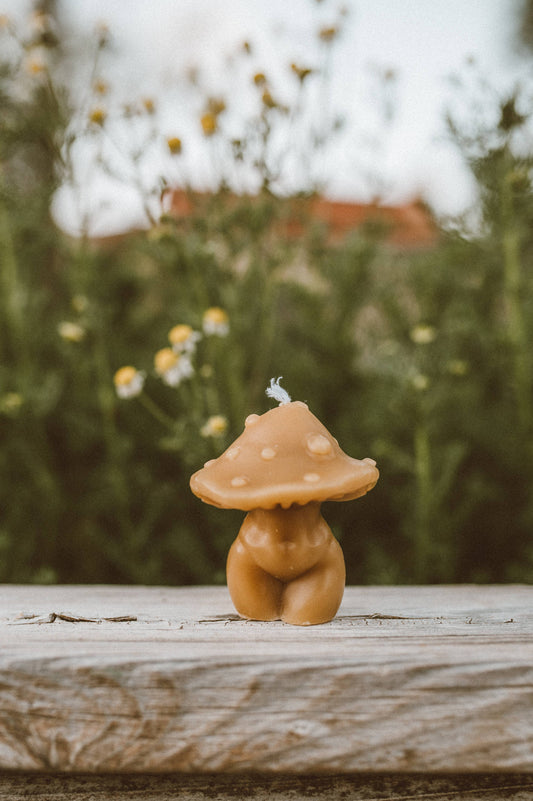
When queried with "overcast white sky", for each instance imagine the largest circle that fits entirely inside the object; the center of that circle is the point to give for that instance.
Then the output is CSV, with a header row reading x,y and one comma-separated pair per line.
x,y
424,41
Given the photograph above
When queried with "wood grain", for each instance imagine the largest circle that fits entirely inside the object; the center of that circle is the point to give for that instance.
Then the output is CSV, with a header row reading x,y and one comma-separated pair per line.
x,y
261,787
126,679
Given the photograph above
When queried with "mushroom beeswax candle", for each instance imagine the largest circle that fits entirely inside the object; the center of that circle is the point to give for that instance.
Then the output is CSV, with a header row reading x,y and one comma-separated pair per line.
x,y
285,563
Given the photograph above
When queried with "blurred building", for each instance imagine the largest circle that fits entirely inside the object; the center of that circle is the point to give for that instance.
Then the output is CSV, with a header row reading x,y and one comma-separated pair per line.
x,y
406,226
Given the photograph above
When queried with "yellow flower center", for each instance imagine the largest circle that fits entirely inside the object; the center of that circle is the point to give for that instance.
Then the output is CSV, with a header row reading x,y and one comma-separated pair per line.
x,y
216,315
124,376
164,360
179,334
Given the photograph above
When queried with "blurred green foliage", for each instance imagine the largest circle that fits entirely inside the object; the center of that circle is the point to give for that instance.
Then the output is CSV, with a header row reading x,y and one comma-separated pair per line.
x,y
420,360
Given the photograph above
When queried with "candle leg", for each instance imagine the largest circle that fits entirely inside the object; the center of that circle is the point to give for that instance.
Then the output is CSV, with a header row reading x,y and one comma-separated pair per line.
x,y
316,596
254,592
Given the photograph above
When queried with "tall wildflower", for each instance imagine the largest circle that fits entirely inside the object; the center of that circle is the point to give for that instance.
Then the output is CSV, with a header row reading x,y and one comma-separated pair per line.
x,y
215,426
129,382
172,367
215,322
184,339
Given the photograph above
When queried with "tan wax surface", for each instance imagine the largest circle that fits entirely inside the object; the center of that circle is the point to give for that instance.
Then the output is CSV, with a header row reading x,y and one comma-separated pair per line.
x,y
283,457
285,564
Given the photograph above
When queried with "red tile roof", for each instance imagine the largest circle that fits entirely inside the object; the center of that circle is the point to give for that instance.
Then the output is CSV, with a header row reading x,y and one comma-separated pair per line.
x,y
410,225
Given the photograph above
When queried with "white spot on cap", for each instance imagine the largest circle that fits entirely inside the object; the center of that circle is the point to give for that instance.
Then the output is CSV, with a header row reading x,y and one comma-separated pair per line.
x,y
312,478
240,481
369,461
232,453
210,462
251,419
267,454
319,445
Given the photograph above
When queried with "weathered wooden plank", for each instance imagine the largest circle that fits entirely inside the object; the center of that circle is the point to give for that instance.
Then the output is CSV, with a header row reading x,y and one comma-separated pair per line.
x,y
230,787
165,680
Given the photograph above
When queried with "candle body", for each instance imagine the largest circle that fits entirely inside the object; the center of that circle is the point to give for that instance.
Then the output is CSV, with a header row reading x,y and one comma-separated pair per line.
x,y
286,565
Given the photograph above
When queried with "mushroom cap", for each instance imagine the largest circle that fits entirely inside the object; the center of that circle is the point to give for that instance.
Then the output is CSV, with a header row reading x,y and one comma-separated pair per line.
x,y
283,457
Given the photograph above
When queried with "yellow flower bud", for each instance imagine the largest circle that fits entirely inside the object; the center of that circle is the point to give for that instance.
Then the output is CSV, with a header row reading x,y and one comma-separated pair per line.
x,y
71,332
328,34
216,105
149,105
215,426
11,403
208,122
423,334
268,100
100,87
174,145
420,382
301,72
97,116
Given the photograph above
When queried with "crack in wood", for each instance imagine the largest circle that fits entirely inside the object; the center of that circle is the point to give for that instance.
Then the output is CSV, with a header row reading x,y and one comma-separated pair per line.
x,y
68,618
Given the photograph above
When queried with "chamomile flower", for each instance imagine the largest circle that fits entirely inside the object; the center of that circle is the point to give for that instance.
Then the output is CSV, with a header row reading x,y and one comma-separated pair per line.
x,y
458,367
70,332
423,334
172,367
420,382
183,339
129,382
216,426
80,303
215,322
11,403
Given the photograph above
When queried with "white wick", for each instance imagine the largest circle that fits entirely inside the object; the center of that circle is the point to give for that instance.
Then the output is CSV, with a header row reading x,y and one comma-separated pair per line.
x,y
277,392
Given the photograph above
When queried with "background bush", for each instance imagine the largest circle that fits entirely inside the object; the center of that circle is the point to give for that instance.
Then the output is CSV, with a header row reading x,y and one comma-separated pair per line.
x,y
421,360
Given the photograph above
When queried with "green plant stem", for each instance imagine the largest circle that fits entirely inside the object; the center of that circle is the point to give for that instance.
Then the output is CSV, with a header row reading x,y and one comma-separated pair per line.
x,y
423,500
516,328
37,463
157,413
127,553
14,303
